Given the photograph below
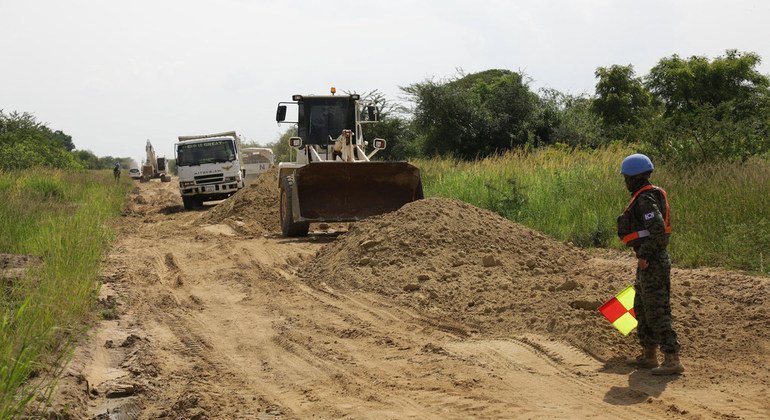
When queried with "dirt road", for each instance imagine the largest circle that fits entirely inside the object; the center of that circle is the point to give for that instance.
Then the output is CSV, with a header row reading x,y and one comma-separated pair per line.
x,y
214,323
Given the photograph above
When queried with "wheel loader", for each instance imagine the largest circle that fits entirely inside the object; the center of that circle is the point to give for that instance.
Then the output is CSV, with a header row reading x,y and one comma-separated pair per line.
x,y
332,177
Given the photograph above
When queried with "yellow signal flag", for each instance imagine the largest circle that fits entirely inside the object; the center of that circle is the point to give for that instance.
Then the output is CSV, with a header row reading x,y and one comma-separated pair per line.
x,y
620,311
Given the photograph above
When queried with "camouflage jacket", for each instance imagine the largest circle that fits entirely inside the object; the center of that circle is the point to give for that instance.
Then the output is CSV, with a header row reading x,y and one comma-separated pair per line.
x,y
646,213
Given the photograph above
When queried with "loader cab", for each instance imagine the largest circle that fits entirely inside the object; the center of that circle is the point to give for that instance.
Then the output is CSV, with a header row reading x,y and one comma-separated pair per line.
x,y
321,119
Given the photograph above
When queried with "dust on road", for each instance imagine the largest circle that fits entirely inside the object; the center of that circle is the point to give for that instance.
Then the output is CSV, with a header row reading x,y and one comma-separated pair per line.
x,y
439,310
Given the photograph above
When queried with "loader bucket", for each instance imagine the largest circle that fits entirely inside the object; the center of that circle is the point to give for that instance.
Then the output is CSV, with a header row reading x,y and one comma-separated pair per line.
x,y
348,191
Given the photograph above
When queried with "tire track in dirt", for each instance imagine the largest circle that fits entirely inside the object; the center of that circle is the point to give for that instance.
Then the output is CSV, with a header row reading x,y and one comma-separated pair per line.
x,y
226,329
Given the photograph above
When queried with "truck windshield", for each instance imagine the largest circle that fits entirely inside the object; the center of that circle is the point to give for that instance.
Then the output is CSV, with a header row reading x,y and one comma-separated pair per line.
x,y
206,152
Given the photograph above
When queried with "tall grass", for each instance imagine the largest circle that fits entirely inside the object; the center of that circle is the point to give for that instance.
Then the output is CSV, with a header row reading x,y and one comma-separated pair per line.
x,y
60,217
720,213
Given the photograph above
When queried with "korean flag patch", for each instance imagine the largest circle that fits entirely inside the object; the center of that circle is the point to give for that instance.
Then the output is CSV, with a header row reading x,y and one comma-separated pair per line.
x,y
649,216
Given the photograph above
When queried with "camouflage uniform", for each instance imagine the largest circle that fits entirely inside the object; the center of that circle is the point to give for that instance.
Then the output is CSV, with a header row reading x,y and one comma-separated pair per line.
x,y
652,303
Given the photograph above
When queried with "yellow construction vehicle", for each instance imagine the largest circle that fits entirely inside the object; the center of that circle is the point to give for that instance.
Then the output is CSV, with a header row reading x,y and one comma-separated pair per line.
x,y
332,177
153,166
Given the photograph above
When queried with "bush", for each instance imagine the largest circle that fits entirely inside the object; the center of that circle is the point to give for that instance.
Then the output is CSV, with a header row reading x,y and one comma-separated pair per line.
x,y
27,143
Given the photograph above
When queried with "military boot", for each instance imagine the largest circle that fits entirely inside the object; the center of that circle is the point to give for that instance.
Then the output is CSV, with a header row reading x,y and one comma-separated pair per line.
x,y
670,366
647,360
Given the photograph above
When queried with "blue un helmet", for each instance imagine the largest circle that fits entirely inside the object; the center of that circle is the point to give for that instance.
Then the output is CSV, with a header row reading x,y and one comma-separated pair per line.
x,y
636,164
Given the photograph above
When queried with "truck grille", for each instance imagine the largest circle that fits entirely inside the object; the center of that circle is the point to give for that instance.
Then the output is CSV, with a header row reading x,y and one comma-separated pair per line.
x,y
209,178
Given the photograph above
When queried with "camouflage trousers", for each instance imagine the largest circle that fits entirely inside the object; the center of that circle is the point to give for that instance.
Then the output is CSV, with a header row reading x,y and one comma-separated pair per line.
x,y
652,305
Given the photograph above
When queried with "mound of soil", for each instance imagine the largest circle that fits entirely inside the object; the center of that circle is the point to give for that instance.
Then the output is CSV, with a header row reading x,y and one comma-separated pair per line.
x,y
252,210
451,260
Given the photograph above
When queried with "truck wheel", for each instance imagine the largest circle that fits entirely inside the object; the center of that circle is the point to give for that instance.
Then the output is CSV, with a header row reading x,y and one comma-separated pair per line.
x,y
165,178
190,203
288,226
144,179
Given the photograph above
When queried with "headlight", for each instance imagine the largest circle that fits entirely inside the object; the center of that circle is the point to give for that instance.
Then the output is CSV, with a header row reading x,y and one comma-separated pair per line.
x,y
186,183
230,178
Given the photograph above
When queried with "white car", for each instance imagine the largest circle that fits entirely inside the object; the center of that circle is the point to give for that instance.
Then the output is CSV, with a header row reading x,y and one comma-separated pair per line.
x,y
134,173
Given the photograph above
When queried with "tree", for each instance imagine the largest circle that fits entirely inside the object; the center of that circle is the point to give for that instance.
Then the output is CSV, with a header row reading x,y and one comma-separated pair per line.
x,y
714,109
63,139
573,121
475,115
684,85
621,98
391,125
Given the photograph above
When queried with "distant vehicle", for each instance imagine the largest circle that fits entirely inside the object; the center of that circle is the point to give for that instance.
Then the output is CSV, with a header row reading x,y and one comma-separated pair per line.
x,y
153,166
135,173
255,160
209,167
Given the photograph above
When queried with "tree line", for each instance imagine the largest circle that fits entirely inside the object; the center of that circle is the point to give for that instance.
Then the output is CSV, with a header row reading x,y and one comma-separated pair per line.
x,y
26,142
685,110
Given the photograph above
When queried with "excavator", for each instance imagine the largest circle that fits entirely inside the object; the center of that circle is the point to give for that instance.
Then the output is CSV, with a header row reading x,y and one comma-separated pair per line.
x,y
332,177
153,166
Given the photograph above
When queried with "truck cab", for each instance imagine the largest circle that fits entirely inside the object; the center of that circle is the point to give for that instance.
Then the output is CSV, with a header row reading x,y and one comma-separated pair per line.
x,y
209,167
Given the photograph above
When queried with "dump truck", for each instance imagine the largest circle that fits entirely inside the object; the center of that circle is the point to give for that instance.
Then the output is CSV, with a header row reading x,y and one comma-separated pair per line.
x,y
153,166
332,177
209,167
255,160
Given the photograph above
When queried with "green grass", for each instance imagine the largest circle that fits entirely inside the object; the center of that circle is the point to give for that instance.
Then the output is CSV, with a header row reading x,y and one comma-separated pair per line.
x,y
720,213
60,217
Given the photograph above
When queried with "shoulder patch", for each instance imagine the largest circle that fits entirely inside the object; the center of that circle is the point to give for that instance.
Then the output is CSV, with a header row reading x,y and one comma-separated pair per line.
x,y
649,216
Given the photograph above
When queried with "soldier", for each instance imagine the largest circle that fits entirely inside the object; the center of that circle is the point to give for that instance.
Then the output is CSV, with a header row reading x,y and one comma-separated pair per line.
x,y
644,226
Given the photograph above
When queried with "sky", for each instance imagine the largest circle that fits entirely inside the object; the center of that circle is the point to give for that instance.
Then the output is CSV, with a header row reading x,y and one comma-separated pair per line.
x,y
115,74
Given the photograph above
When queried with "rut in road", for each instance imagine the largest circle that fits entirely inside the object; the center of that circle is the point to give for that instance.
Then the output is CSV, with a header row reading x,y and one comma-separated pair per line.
x,y
229,325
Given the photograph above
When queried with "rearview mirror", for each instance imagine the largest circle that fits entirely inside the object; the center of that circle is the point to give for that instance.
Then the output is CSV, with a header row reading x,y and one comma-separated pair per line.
x,y
280,113
379,144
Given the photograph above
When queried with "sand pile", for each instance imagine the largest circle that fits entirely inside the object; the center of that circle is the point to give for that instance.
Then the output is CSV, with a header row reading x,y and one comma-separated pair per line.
x,y
252,210
452,260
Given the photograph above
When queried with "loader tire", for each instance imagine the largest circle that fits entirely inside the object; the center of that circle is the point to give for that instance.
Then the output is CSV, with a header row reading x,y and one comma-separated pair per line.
x,y
288,226
165,178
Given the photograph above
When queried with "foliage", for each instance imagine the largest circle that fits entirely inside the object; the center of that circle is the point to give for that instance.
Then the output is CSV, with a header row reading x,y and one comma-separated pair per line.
x,y
716,110
573,123
402,144
26,143
90,161
474,115
703,135
576,194
58,216
621,99
685,85
391,125
282,152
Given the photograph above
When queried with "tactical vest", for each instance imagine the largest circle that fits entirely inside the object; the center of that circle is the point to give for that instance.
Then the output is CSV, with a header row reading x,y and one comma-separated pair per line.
x,y
629,230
